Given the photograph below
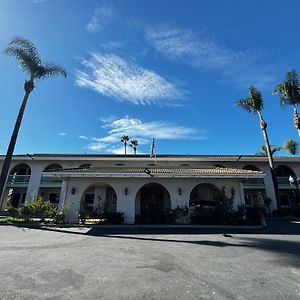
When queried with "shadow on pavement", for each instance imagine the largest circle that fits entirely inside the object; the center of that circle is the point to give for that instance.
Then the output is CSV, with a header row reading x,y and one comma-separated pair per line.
x,y
265,239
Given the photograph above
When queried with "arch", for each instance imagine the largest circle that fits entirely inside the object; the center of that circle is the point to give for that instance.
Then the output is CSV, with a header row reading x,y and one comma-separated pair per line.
x,y
284,171
97,199
251,168
152,204
20,169
53,167
204,194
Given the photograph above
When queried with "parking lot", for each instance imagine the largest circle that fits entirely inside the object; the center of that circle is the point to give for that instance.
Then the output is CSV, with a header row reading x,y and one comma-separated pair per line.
x,y
150,263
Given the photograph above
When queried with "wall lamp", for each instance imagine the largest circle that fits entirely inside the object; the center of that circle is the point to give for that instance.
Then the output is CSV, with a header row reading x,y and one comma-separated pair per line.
x,y
126,191
73,190
179,191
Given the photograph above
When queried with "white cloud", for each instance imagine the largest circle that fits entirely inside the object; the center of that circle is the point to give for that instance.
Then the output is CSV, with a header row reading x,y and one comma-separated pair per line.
x,y
101,18
203,53
62,134
140,130
122,80
38,1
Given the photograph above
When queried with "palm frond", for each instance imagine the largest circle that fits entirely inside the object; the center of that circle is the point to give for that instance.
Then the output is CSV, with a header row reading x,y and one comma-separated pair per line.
x,y
289,90
291,146
27,55
24,58
27,46
253,103
48,70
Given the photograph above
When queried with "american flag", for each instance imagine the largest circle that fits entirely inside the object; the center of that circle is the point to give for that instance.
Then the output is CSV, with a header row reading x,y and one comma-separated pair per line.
x,y
152,149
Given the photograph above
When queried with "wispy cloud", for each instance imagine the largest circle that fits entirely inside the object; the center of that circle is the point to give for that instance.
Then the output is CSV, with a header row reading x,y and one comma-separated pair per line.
x,y
62,134
102,16
204,53
140,130
38,1
122,80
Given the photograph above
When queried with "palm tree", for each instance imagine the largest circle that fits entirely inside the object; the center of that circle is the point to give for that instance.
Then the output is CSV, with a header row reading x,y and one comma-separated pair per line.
x,y
263,150
289,94
291,146
254,104
134,144
124,140
30,62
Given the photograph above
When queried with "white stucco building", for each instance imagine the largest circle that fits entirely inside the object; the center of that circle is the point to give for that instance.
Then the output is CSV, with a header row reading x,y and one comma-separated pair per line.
x,y
127,184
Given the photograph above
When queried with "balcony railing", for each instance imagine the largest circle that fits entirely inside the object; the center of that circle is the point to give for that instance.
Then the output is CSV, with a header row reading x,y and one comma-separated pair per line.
x,y
50,181
18,179
283,181
254,182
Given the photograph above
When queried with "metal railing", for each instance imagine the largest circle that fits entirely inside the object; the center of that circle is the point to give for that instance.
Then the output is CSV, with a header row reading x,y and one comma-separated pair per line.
x,y
18,179
254,181
283,181
50,180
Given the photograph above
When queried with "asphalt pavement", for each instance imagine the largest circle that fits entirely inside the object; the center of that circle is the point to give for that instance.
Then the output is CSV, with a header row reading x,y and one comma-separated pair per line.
x,y
133,262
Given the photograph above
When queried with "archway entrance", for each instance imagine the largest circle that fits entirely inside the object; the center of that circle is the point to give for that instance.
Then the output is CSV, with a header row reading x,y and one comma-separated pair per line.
x,y
98,199
205,194
153,204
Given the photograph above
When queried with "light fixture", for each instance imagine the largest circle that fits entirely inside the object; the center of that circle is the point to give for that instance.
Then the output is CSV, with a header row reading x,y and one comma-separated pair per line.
x,y
179,191
73,190
126,191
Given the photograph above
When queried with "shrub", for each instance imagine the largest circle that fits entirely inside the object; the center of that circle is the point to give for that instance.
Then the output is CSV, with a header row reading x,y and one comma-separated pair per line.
x,y
27,211
179,215
12,211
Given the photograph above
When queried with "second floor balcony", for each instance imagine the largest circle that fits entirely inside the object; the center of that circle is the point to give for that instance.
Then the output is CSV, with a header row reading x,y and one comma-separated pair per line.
x,y
254,183
18,180
50,182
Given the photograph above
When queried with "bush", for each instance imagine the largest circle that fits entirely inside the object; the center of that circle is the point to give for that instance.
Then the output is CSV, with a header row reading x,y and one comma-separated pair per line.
x,y
38,208
179,215
13,212
27,211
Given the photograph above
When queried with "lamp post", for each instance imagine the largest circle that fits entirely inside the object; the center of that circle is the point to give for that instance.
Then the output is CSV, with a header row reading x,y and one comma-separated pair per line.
x,y
295,181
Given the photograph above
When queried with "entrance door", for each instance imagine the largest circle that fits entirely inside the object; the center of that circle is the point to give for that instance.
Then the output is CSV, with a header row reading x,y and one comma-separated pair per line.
x,y
152,206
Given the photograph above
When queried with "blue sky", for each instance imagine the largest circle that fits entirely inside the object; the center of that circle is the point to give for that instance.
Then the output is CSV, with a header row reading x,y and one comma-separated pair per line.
x,y
164,69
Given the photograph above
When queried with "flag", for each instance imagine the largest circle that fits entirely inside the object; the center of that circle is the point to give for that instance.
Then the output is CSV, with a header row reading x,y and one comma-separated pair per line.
x,y
152,149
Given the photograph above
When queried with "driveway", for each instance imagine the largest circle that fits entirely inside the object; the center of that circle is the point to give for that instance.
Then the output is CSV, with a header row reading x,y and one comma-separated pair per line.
x,y
157,263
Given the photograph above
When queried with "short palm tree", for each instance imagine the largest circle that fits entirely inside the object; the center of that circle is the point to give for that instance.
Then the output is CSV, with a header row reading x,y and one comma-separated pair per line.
x,y
254,104
124,140
263,150
30,62
134,144
291,146
289,94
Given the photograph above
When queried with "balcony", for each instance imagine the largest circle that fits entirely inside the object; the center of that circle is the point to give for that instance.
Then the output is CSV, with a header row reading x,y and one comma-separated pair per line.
x,y
50,182
18,180
284,182
254,183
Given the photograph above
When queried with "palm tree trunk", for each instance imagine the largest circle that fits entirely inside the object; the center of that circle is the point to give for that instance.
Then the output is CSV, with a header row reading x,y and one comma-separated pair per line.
x,y
125,144
28,87
263,126
296,119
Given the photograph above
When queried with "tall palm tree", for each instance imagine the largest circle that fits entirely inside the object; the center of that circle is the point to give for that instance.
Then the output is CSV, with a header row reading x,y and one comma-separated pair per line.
x,y
134,144
124,140
30,62
254,104
263,150
289,94
291,146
